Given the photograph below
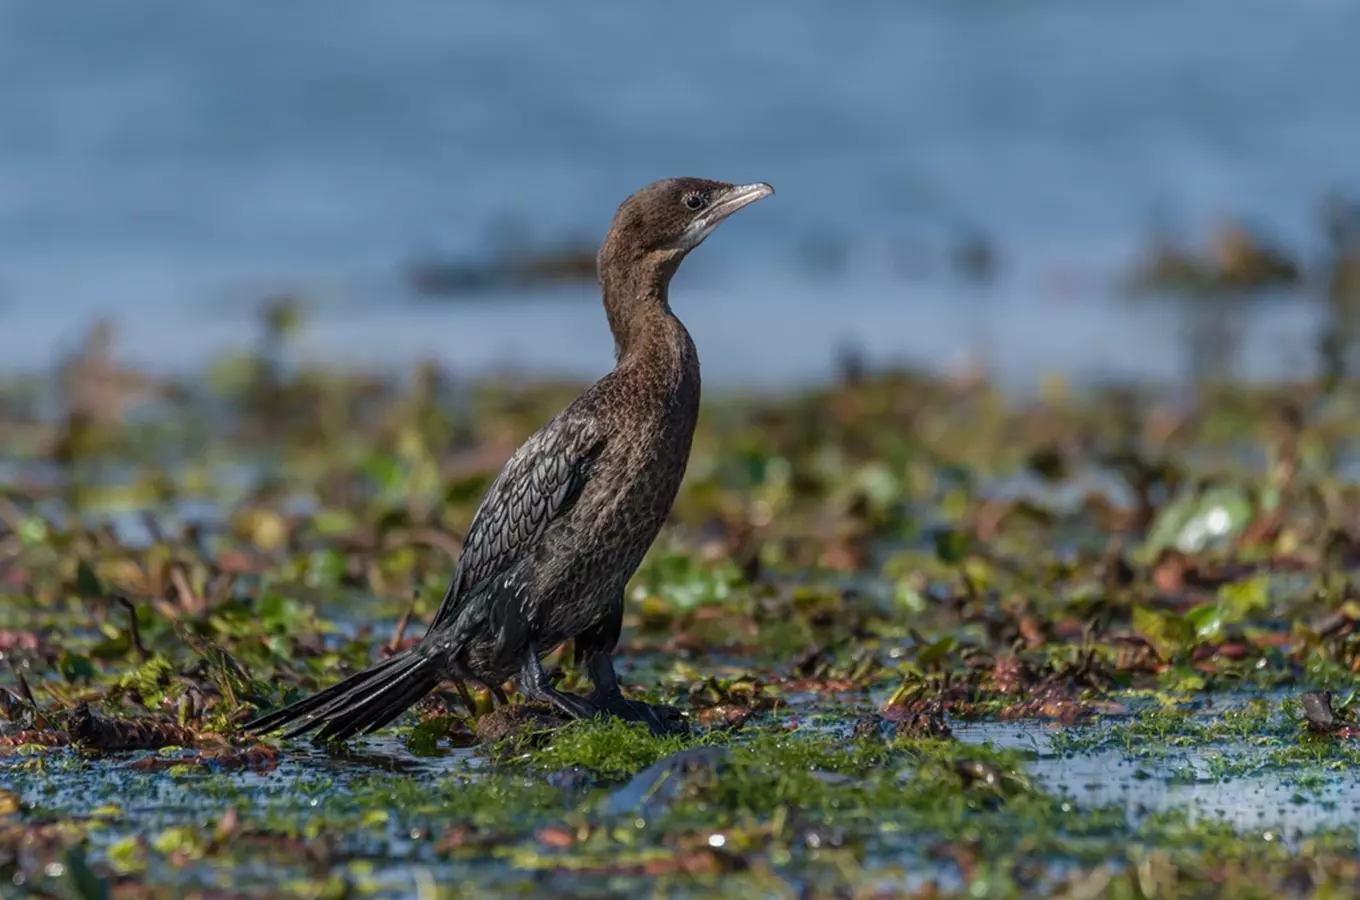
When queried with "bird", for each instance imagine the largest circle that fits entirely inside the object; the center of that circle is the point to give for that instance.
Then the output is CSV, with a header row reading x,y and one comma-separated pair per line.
x,y
568,519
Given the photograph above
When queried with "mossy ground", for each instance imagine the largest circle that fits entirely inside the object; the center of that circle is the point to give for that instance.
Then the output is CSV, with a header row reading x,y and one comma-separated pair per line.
x,y
931,641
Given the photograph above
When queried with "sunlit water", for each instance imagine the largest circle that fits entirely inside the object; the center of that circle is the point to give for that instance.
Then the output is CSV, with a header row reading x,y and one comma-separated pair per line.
x,y
169,165
1272,803
1267,802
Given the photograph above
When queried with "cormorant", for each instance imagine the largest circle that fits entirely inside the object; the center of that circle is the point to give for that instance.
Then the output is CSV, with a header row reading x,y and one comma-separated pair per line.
x,y
570,516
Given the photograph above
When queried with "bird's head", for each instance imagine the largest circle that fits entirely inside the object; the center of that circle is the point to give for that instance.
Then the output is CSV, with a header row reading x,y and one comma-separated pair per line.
x,y
663,221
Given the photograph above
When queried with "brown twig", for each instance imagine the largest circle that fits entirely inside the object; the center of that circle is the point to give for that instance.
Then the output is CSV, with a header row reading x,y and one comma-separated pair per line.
x,y
153,527
220,588
405,620
40,737
432,537
24,690
10,514
190,601
92,732
10,545
134,630
10,704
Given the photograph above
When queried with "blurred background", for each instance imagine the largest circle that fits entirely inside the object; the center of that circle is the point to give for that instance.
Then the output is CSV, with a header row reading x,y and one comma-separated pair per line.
x,y
1101,191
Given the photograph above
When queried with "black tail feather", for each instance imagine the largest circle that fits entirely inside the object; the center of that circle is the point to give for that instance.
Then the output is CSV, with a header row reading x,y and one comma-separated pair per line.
x,y
364,702
373,709
309,706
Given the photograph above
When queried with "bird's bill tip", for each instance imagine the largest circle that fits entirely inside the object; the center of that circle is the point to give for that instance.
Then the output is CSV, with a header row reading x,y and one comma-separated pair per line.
x,y
737,197
749,193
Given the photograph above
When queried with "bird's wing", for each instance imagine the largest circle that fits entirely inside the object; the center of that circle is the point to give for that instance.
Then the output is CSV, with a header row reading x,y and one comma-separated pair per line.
x,y
538,485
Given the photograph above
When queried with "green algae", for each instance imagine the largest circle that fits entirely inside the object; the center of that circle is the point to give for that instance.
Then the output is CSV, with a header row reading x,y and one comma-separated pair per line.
x,y
928,638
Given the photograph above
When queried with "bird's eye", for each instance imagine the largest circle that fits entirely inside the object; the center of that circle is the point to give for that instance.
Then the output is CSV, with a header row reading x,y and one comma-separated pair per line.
x,y
693,201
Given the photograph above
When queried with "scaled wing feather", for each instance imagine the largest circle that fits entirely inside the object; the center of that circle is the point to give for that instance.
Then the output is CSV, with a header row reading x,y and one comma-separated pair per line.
x,y
537,486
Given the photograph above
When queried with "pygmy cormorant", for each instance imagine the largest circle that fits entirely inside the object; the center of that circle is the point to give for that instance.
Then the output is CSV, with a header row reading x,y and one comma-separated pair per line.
x,y
570,516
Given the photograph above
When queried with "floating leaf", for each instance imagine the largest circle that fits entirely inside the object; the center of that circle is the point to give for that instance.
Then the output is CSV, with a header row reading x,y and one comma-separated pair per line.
x,y
83,882
87,582
33,531
75,668
951,546
1168,632
1245,597
1207,620
935,652
1192,522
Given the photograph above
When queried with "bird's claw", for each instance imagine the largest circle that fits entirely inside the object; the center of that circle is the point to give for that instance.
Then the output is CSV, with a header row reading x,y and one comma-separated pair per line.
x,y
574,705
621,707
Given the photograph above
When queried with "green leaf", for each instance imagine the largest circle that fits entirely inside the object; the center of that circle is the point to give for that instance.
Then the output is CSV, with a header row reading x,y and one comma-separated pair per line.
x,y
33,531
231,680
87,582
1208,620
1247,596
75,668
1194,521
82,880
951,546
1168,632
935,652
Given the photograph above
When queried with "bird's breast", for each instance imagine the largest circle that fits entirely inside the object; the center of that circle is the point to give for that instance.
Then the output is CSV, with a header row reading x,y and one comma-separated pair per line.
x,y
629,495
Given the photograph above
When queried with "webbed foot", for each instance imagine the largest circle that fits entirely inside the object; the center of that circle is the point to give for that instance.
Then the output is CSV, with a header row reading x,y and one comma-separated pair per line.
x,y
534,684
608,696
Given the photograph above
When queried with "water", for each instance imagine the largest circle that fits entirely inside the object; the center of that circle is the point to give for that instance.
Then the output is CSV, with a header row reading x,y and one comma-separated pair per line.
x,y
139,796
167,165
1268,800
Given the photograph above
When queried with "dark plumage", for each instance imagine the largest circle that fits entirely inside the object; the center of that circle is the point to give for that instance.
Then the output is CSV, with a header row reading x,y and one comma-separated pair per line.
x,y
569,518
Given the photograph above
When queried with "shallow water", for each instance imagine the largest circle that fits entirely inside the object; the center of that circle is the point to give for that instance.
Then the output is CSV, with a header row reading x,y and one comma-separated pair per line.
x,y
1267,801
309,787
167,167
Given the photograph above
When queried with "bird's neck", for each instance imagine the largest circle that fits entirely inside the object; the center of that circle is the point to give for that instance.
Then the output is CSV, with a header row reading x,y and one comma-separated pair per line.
x,y
653,351
637,302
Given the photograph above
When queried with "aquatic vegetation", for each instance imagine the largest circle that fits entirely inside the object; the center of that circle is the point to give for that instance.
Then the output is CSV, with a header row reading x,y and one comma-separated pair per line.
x,y
928,639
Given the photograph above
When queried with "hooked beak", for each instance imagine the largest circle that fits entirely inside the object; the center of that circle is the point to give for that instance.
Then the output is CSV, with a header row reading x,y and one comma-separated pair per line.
x,y
738,197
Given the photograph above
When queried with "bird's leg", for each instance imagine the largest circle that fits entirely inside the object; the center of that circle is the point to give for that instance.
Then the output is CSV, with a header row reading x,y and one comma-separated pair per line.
x,y
533,683
609,695
466,697
460,677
